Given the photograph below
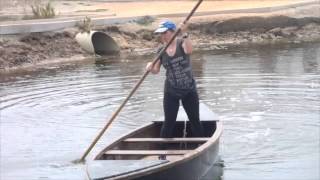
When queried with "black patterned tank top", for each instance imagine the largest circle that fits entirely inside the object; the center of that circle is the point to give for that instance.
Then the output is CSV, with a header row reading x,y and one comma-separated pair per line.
x,y
179,76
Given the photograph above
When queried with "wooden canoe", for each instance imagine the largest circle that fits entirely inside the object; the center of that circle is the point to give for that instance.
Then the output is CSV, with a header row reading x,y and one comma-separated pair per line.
x,y
135,155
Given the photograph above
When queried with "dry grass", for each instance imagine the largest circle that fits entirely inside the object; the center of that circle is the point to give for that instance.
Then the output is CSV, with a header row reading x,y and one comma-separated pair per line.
x,y
43,11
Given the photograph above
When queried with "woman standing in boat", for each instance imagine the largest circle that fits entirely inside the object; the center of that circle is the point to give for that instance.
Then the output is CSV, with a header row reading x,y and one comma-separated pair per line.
x,y
179,83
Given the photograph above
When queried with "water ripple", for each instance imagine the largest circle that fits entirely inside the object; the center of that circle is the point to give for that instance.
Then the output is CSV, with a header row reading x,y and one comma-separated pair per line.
x,y
268,99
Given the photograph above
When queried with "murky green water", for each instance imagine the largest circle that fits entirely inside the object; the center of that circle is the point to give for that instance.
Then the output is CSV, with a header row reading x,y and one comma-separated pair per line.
x,y
267,97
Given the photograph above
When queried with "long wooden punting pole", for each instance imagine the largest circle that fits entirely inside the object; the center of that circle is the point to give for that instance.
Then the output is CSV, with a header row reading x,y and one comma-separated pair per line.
x,y
82,159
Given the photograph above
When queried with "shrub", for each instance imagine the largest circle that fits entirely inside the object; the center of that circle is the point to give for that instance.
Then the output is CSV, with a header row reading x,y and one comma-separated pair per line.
x,y
41,11
85,25
146,20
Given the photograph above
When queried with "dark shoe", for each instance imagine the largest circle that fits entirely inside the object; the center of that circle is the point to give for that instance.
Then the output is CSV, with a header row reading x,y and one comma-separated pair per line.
x,y
162,157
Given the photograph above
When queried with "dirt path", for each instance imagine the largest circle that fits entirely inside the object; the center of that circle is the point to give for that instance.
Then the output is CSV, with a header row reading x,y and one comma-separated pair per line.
x,y
168,7
135,8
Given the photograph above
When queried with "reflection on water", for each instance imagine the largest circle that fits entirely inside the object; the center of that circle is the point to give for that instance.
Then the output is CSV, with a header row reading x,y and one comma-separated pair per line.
x,y
267,97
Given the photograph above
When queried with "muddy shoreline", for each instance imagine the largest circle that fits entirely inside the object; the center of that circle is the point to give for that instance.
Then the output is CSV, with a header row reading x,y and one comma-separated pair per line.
x,y
29,50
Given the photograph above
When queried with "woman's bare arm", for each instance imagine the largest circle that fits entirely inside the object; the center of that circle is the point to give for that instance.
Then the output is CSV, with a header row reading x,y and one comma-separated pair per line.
x,y
155,69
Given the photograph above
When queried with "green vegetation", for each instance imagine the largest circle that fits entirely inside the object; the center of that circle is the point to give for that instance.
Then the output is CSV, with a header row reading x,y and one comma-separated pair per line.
x,y
145,20
84,4
41,11
93,10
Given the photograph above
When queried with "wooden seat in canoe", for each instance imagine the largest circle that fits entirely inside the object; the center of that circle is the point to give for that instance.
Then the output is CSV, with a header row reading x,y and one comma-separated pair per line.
x,y
167,140
147,152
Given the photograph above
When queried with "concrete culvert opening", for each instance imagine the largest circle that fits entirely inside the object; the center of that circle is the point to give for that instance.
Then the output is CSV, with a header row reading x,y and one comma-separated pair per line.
x,y
97,42
104,44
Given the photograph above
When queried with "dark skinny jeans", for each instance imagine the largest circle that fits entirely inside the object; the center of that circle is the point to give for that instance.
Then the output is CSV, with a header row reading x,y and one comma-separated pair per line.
x,y
190,103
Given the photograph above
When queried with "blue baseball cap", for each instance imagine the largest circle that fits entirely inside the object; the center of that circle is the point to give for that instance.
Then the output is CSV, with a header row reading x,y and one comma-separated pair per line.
x,y
165,26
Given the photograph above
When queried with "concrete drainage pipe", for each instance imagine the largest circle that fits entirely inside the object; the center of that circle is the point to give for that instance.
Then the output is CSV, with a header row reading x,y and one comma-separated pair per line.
x,y
97,42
